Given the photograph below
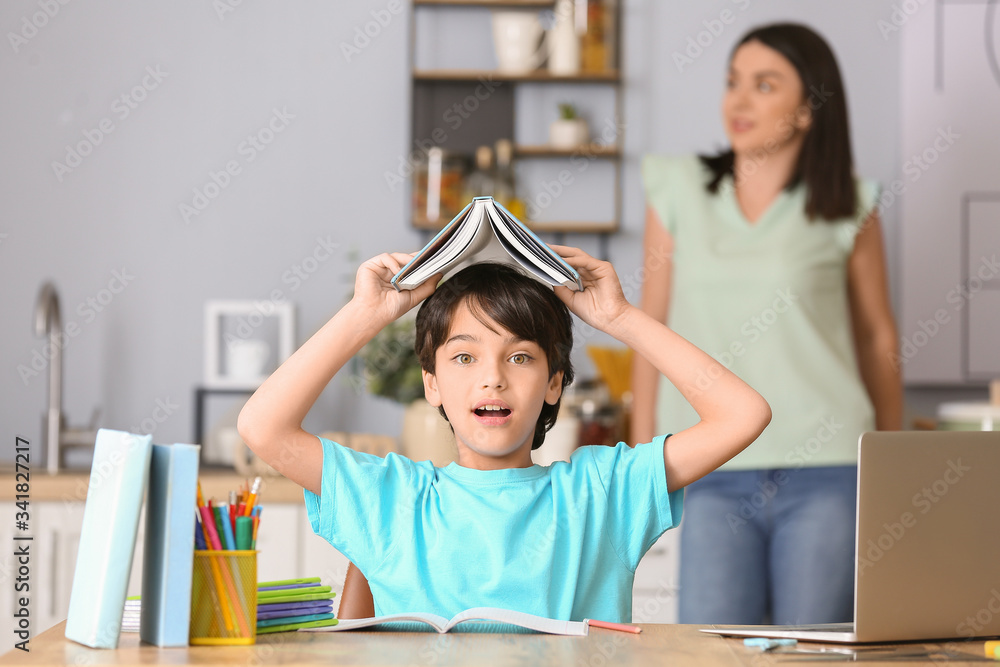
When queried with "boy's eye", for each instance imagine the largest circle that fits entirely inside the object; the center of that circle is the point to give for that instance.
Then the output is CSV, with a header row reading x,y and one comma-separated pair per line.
x,y
464,358
764,87
520,358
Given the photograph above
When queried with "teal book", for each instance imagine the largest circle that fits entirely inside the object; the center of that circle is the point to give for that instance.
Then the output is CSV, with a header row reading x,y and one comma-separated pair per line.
x,y
118,479
485,231
168,556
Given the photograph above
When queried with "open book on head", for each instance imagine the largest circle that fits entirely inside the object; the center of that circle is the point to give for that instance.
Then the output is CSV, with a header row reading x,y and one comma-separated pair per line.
x,y
477,615
486,232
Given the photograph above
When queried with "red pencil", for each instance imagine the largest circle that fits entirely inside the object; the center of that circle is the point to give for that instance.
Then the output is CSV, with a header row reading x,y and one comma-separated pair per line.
x,y
621,627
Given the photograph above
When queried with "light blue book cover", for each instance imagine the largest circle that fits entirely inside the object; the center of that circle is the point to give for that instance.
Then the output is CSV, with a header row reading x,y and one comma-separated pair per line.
x,y
118,480
168,556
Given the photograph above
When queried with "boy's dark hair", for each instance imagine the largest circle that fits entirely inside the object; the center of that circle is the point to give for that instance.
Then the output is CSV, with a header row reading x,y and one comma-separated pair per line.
x,y
521,305
825,163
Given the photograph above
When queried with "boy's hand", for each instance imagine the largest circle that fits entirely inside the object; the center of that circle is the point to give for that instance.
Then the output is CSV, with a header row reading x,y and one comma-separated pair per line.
x,y
373,289
602,302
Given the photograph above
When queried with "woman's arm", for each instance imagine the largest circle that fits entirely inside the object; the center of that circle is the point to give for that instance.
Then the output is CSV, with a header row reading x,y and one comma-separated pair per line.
x,y
732,414
271,421
658,250
873,326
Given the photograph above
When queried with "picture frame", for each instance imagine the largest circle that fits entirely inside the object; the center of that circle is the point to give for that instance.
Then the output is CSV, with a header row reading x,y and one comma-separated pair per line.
x,y
245,340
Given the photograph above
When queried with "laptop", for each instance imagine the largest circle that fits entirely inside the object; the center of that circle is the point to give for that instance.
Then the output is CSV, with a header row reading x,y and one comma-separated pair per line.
x,y
927,547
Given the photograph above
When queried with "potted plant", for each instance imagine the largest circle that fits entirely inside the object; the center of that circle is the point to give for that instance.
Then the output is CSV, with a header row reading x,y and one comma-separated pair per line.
x,y
569,130
392,370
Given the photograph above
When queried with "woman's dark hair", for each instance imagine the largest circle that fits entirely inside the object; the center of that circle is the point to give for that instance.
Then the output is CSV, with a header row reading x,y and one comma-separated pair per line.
x,y
825,164
521,305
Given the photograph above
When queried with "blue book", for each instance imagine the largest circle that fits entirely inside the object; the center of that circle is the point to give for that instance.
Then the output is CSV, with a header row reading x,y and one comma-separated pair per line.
x,y
118,479
168,557
485,231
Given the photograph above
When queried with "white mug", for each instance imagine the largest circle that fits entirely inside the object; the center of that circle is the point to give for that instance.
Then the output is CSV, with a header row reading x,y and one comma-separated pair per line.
x,y
516,36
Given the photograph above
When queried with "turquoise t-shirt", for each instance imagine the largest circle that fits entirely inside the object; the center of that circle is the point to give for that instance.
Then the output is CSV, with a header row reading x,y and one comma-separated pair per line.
x,y
561,541
769,301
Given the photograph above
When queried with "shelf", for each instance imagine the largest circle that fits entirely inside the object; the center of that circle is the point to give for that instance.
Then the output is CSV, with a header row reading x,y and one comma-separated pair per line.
x,y
541,4
557,227
542,76
586,150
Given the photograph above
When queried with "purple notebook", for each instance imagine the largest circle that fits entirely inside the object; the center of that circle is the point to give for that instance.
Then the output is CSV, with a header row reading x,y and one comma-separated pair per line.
x,y
281,588
264,615
294,606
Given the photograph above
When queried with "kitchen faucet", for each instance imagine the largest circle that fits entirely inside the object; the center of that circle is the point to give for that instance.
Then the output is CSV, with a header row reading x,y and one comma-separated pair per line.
x,y
48,321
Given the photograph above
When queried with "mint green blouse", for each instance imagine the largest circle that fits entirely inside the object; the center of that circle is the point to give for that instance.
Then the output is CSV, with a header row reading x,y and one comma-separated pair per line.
x,y
769,301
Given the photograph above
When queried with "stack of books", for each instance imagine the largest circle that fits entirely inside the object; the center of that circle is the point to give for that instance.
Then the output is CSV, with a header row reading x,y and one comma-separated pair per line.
x,y
293,604
132,614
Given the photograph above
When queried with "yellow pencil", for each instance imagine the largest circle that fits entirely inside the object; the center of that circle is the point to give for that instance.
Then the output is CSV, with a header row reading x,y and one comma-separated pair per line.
x,y
254,490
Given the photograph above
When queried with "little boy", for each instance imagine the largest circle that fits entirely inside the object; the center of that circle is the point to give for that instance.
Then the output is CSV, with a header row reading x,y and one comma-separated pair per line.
x,y
492,530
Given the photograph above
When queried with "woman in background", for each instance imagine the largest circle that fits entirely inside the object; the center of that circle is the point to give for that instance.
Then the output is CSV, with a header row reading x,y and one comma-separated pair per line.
x,y
769,256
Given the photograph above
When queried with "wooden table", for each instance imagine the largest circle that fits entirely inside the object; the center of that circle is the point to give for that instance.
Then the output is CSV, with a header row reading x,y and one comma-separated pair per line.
x,y
657,645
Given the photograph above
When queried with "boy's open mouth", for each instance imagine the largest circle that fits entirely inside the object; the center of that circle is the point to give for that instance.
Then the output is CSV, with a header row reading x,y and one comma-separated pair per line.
x,y
491,412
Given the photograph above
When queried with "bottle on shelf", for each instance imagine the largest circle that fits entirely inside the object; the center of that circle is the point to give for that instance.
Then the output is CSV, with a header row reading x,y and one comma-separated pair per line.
x,y
504,189
594,46
438,186
480,182
563,42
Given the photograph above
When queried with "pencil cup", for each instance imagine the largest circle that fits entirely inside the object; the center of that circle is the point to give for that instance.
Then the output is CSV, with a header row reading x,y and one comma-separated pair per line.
x,y
224,598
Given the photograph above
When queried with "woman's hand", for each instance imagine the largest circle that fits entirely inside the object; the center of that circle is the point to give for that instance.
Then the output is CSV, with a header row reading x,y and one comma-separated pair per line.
x,y
602,303
374,291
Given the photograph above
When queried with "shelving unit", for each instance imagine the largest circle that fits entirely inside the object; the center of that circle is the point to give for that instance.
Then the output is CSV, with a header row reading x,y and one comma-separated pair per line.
x,y
434,91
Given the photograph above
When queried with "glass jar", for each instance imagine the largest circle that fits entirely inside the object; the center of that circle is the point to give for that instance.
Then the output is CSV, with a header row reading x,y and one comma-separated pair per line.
x,y
438,186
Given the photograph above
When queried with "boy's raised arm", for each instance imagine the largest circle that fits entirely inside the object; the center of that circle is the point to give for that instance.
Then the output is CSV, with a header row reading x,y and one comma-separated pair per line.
x,y
271,421
732,414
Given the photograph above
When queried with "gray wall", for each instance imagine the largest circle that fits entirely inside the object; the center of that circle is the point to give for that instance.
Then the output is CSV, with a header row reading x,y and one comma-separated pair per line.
x,y
222,78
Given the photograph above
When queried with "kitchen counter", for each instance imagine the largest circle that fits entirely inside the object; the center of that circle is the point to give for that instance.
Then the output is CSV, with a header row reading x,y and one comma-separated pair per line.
x,y
215,483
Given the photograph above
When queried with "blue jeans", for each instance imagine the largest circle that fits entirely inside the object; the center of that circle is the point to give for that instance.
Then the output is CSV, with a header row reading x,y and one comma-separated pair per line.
x,y
769,546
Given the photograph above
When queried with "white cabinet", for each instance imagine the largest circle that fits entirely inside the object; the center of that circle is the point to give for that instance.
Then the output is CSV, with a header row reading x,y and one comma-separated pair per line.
x,y
319,559
279,542
654,593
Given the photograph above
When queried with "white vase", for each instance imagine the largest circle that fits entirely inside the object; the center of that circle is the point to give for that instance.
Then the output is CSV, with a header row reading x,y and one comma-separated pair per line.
x,y
426,435
568,133
564,44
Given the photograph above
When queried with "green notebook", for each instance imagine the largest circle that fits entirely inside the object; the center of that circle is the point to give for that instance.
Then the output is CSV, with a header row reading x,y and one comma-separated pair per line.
x,y
266,596
295,626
